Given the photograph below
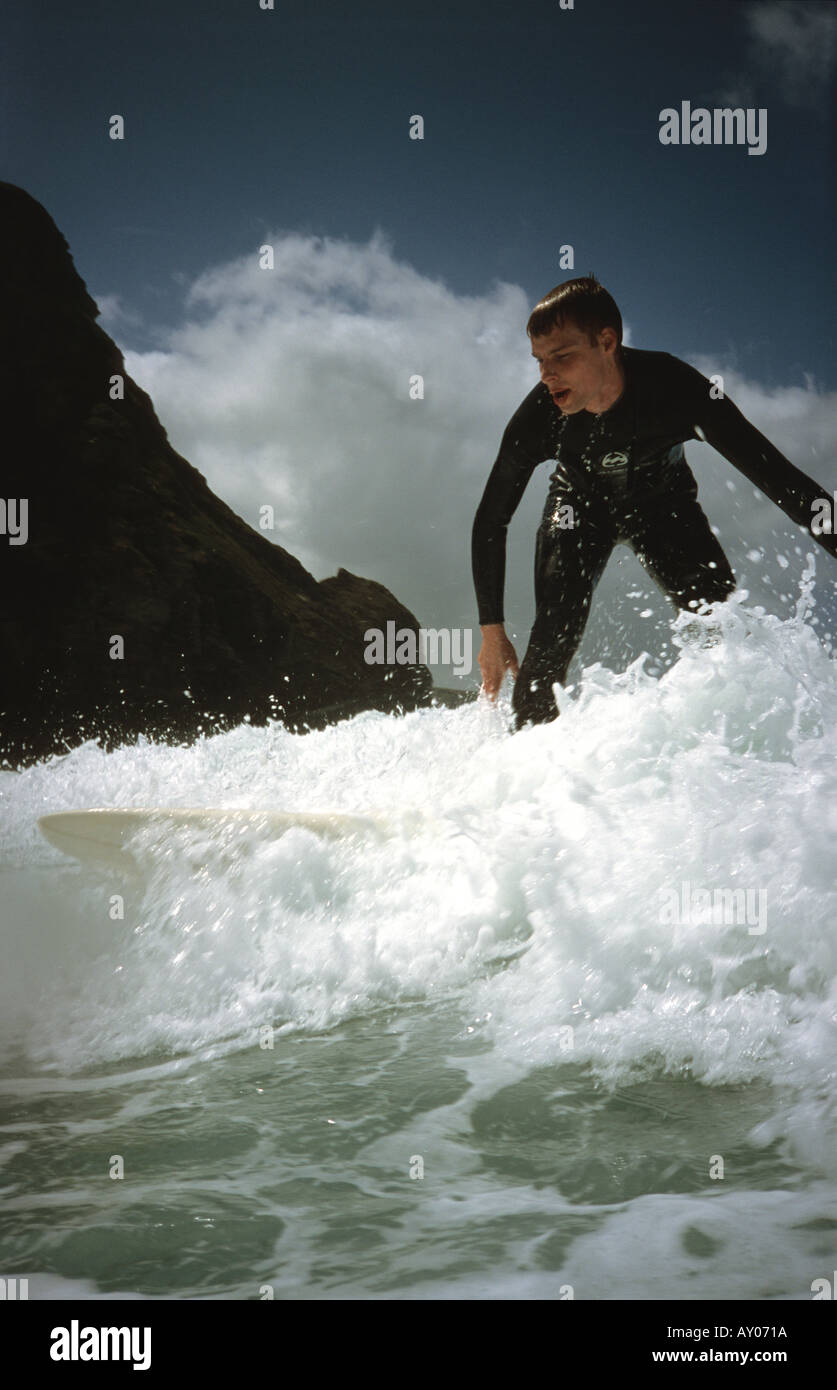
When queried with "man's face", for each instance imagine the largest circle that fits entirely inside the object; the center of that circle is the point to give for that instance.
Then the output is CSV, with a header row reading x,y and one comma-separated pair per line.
x,y
578,374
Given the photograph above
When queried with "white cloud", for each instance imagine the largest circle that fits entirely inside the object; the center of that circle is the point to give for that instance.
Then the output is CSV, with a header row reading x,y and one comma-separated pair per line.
x,y
795,44
114,315
291,387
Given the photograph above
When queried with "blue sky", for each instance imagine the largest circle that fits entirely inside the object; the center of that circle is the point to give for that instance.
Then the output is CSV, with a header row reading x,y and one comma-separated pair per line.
x,y
541,129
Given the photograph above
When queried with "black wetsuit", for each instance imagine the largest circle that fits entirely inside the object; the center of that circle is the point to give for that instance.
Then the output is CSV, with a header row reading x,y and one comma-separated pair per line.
x,y
619,476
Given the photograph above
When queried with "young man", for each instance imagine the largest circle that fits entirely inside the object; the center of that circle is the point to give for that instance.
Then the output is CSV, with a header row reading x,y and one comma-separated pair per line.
x,y
614,420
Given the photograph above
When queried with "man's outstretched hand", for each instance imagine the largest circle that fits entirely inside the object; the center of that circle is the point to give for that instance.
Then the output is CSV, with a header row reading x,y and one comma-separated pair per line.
x,y
497,655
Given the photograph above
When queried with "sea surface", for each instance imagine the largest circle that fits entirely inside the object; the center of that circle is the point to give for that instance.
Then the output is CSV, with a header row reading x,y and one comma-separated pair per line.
x,y
566,1026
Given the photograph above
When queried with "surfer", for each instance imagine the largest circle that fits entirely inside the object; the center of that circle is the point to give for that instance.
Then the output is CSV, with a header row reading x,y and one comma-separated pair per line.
x,y
613,420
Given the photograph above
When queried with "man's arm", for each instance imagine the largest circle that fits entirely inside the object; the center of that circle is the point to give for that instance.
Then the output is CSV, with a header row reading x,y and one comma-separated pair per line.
x,y
723,426
524,444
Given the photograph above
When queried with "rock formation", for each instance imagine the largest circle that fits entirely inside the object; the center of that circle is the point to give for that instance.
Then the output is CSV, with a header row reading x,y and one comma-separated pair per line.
x,y
126,540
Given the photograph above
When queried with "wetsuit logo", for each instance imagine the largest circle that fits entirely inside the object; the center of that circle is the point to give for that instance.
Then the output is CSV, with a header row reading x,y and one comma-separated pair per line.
x,y
614,460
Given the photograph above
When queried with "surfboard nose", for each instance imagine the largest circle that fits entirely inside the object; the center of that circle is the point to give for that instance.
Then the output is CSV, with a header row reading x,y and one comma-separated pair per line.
x,y
103,834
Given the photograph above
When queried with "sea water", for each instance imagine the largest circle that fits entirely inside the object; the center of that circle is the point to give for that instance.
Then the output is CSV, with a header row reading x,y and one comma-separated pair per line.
x,y
529,1042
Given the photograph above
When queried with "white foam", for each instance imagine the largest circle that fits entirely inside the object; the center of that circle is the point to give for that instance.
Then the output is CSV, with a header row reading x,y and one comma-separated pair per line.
x,y
557,843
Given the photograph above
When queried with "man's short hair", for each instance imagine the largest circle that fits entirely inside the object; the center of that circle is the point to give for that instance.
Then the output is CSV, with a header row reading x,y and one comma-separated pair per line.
x,y
583,302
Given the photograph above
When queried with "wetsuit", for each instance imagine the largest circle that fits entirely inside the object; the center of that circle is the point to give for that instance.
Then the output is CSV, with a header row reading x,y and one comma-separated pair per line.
x,y
619,476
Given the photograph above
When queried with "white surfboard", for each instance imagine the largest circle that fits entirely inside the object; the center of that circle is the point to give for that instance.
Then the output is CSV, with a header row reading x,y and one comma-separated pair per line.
x,y
104,836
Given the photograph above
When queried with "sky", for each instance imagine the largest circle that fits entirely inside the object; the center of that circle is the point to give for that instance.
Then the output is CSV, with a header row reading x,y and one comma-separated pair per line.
x,y
289,387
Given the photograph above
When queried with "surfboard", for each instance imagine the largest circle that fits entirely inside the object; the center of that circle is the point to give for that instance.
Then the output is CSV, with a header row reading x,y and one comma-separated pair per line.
x,y
104,836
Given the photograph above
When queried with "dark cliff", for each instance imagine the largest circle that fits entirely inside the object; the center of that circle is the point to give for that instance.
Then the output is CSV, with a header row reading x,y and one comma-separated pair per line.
x,y
126,539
